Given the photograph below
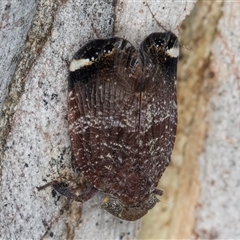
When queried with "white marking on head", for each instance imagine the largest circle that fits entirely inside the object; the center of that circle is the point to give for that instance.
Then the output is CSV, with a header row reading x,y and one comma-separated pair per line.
x,y
77,64
173,52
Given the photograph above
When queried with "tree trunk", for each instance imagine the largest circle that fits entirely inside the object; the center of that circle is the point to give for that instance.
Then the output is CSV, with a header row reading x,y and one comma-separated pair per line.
x,y
200,186
37,41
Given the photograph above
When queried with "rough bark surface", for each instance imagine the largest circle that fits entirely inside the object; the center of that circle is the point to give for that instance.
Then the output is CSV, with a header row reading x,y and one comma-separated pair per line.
x,y
217,214
41,38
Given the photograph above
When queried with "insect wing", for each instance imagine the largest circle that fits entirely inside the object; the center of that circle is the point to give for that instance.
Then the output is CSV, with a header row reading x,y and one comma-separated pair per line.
x,y
158,111
104,111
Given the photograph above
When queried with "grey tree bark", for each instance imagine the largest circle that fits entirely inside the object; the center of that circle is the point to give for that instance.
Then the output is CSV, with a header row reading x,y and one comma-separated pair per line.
x,y
37,40
201,187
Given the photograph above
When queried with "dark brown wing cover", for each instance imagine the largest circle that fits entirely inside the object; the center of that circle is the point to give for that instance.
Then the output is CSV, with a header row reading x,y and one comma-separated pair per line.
x,y
123,114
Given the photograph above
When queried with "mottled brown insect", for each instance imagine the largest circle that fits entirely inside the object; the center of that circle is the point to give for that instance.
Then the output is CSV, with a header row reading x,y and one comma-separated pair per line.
x,y
122,120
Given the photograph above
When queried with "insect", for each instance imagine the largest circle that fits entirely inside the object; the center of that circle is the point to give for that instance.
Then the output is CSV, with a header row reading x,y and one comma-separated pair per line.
x,y
122,114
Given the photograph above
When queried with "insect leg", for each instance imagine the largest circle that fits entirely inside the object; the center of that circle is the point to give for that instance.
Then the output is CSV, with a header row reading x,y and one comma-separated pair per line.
x,y
66,191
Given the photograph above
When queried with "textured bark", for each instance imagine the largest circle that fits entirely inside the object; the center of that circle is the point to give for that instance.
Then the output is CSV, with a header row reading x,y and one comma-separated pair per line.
x,y
217,214
37,41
